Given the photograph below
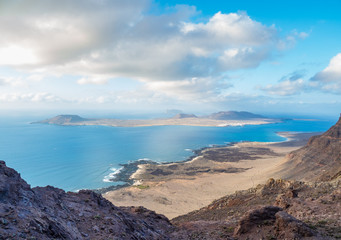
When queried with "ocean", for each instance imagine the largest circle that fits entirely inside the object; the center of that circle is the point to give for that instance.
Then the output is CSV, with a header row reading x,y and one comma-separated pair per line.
x,y
86,157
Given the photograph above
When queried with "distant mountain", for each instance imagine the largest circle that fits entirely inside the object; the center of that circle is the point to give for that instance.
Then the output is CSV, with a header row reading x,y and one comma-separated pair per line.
x,y
220,119
183,115
64,119
234,115
320,159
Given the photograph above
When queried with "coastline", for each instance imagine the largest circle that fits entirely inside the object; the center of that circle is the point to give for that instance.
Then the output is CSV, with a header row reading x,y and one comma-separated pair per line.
x,y
211,173
201,122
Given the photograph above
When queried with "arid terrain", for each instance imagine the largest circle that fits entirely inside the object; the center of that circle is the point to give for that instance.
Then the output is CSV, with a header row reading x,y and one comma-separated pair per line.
x,y
294,204
177,188
278,209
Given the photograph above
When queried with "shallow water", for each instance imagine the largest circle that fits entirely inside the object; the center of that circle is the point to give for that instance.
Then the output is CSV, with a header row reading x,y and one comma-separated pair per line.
x,y
78,157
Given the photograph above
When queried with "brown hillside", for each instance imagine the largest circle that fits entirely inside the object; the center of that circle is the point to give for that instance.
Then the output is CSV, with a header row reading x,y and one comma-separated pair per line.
x,y
320,159
51,213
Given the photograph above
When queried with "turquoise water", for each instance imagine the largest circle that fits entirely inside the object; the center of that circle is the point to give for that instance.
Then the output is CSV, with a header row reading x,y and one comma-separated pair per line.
x,y
78,157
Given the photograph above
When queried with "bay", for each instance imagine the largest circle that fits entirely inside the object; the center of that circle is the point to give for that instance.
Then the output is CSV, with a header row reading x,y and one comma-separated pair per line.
x,y
82,157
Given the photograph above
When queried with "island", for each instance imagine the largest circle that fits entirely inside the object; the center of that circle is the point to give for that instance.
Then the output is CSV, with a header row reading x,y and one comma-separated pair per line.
x,y
220,119
249,190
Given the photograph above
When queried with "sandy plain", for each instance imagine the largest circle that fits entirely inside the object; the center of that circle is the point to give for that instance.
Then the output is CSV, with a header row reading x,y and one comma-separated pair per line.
x,y
178,188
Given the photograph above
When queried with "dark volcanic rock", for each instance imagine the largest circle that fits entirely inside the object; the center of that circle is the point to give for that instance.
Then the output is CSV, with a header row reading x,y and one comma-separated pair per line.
x,y
316,206
288,227
51,213
320,159
235,154
13,189
256,218
272,223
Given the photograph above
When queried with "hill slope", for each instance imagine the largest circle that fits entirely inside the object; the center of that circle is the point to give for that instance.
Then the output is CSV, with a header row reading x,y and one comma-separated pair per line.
x,y
234,115
51,213
320,159
64,119
184,115
263,213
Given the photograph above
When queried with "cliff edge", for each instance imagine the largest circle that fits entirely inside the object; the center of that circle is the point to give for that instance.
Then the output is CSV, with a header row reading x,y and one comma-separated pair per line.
x,y
319,160
51,213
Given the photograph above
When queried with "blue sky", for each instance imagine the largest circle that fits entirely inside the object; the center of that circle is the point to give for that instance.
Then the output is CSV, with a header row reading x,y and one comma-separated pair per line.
x,y
267,57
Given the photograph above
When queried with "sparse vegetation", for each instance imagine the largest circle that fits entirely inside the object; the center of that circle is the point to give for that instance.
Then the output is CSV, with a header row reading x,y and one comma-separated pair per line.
x,y
322,222
142,187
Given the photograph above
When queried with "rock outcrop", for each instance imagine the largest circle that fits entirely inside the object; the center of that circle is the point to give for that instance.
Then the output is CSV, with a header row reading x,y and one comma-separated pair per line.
x,y
279,209
319,160
272,222
51,213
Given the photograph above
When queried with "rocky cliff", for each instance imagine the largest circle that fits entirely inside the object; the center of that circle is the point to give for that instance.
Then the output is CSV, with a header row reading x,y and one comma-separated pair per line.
x,y
320,159
51,213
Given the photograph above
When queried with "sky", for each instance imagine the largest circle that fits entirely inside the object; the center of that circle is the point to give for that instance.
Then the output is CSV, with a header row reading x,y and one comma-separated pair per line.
x,y
263,56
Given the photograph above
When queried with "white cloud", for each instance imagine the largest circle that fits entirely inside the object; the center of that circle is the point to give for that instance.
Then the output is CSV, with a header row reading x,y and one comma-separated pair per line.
x,y
4,81
303,35
285,88
102,40
237,58
57,32
291,84
12,81
291,39
197,89
29,97
35,77
234,29
17,55
93,80
329,79
298,35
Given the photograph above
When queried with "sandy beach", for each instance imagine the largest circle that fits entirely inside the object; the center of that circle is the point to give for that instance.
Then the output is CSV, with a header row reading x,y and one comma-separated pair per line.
x,y
178,188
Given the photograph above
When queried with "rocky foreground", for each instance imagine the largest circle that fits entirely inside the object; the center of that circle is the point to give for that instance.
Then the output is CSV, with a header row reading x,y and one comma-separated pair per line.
x,y
269,211
279,209
51,213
